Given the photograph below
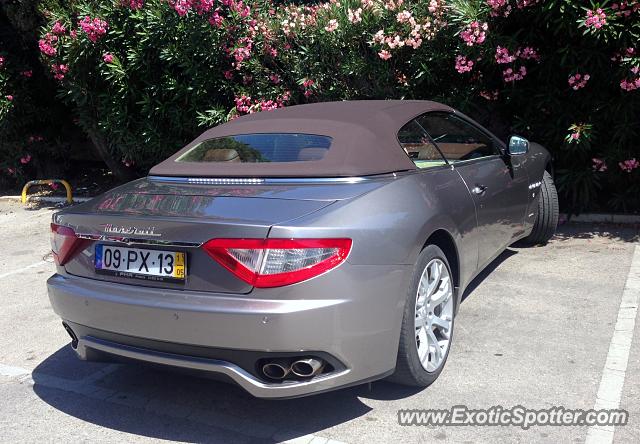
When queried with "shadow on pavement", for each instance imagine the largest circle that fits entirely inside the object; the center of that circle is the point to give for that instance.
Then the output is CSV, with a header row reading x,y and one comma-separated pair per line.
x,y
615,232
142,400
475,283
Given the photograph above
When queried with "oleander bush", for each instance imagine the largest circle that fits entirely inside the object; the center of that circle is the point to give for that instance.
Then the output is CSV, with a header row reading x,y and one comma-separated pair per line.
x,y
141,78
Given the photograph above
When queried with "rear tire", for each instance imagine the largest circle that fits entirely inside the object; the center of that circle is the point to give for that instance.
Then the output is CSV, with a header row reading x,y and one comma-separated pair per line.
x,y
546,221
423,312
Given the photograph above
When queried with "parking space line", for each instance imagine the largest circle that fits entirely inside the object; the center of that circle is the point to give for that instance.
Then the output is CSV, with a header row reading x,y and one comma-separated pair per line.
x,y
13,372
20,270
615,367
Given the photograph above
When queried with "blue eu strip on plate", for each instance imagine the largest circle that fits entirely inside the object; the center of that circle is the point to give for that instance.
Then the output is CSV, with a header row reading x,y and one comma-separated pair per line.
x,y
98,259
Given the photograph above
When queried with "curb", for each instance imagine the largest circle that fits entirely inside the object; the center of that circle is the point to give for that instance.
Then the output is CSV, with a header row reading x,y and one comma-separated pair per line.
x,y
45,199
602,218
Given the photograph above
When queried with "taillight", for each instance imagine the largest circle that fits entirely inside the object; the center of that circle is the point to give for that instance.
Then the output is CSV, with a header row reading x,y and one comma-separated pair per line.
x,y
64,243
277,262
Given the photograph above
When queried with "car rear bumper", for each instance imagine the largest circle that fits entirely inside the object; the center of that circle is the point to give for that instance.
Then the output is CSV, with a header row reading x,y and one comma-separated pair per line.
x,y
351,316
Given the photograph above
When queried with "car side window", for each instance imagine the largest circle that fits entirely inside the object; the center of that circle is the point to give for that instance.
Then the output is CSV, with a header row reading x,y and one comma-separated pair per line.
x,y
418,146
457,139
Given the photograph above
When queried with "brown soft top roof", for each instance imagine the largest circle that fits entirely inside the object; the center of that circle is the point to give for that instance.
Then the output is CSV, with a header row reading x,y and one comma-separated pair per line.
x,y
364,137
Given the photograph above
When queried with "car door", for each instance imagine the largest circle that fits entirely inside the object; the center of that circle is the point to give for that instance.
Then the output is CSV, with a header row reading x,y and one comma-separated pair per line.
x,y
497,183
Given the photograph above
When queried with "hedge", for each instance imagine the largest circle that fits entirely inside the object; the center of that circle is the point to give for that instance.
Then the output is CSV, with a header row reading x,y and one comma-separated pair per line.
x,y
141,78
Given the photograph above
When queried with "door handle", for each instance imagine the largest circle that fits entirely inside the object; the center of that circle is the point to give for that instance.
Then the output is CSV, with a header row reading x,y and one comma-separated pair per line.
x,y
479,189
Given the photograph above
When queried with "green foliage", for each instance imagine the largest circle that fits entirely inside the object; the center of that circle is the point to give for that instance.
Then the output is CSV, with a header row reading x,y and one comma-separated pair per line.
x,y
563,73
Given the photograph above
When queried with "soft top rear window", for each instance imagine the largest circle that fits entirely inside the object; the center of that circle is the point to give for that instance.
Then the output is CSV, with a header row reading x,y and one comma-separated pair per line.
x,y
262,147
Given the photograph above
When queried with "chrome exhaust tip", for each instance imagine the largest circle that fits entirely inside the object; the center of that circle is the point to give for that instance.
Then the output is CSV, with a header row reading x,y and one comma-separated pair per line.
x,y
74,338
276,369
307,367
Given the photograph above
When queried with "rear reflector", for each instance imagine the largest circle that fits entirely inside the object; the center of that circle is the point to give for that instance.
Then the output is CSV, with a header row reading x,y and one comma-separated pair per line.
x,y
278,262
64,243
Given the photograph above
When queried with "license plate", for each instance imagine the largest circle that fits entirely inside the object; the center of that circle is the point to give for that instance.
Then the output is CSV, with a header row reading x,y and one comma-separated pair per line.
x,y
157,265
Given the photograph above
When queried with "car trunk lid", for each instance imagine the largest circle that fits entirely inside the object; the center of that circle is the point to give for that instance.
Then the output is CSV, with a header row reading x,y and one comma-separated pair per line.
x,y
178,217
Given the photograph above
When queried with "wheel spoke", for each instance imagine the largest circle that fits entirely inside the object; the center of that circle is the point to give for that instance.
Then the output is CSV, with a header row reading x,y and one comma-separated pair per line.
x,y
441,323
443,293
433,314
435,346
422,294
423,349
436,273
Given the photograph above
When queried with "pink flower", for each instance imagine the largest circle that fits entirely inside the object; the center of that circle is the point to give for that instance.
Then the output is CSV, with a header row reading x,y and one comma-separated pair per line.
x,y
133,4
392,5
58,28
47,44
107,57
599,165
27,74
354,16
203,6
630,85
596,19
73,34
9,97
228,74
275,79
503,56
489,95
403,17
95,28
59,71
384,54
331,26
25,159
182,7
54,186
273,52
509,75
527,53
578,81
216,19
475,33
239,7
11,170
308,85
575,136
463,64
499,7
1,61
243,103
629,165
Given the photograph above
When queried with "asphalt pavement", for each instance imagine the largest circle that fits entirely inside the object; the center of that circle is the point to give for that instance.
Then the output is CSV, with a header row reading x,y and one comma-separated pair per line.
x,y
535,330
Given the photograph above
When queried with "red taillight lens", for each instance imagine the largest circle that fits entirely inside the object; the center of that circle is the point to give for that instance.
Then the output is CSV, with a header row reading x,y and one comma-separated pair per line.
x,y
64,243
277,262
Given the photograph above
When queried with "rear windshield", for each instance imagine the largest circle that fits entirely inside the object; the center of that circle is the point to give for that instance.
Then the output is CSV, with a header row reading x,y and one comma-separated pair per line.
x,y
252,148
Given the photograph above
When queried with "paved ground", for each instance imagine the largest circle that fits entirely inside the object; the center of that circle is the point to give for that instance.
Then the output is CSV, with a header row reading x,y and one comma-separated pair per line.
x,y
535,331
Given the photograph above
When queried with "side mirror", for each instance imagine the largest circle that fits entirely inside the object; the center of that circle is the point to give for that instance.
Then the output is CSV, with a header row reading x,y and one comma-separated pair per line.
x,y
518,145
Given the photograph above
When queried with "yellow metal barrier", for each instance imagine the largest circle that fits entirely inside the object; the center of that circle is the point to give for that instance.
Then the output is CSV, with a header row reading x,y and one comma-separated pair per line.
x,y
47,182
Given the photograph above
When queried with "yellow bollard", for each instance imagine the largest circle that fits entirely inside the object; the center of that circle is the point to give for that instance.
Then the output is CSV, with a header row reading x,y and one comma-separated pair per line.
x,y
47,182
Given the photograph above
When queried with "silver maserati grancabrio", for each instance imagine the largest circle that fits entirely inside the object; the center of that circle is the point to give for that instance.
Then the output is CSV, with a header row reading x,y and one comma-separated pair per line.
x,y
301,250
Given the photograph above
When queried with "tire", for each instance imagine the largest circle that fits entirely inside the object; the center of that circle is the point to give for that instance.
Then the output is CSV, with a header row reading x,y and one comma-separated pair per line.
x,y
409,368
546,221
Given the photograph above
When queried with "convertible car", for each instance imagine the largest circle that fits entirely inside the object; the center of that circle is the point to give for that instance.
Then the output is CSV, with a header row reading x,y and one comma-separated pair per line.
x,y
301,250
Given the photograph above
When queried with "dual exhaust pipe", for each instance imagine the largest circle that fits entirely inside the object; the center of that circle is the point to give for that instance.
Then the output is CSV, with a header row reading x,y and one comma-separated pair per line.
x,y
303,368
